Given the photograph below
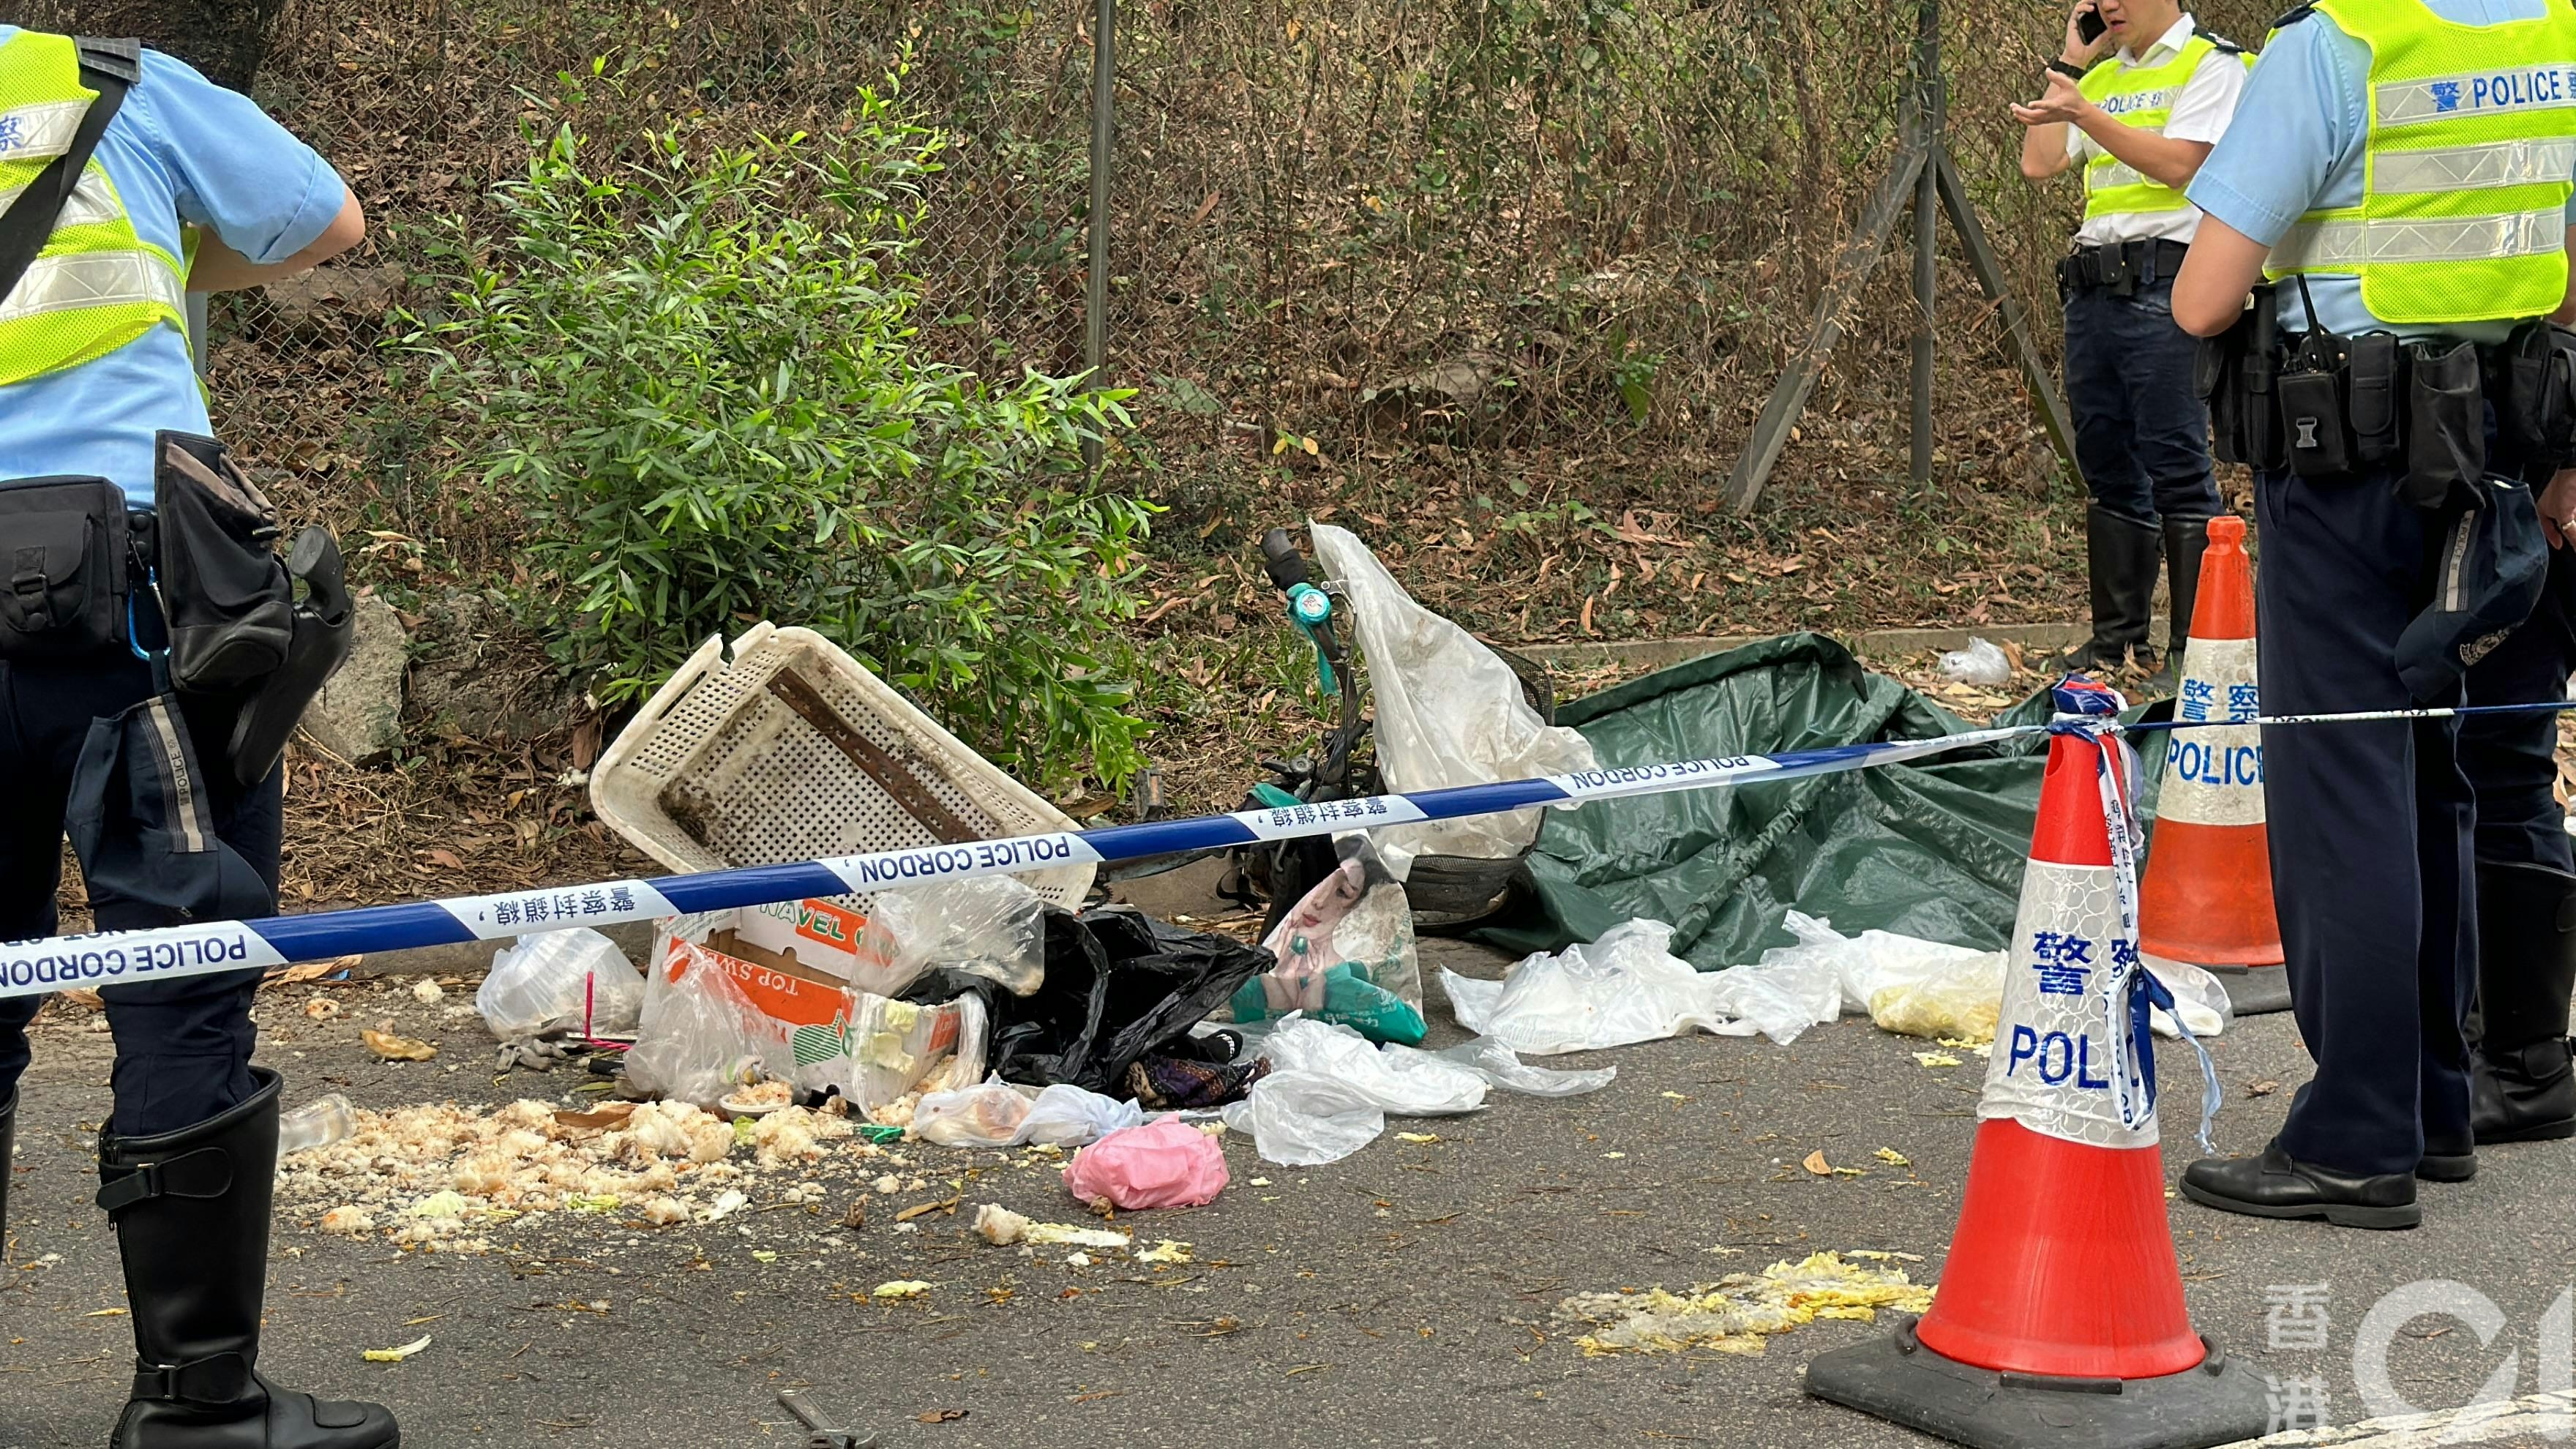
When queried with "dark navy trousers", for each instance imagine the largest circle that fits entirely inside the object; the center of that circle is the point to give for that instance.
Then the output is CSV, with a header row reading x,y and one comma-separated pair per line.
x,y
2513,759
2370,827
2141,430
183,1047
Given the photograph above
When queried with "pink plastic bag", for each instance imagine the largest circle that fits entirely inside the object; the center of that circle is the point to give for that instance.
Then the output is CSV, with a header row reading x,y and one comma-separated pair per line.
x,y
1165,1163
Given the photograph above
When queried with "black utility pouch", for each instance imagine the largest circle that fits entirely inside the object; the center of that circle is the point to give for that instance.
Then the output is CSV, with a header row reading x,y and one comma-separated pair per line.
x,y
223,589
2446,440
2370,399
62,567
2312,416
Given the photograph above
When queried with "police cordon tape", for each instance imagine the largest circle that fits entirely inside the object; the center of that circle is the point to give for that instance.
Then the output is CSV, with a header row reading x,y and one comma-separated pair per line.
x,y
164,953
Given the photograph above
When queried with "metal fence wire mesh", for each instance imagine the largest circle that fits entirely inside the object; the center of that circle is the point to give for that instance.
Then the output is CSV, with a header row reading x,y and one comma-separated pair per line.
x,y
1600,224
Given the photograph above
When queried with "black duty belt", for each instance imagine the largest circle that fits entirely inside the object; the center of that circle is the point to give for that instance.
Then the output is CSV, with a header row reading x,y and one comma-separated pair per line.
x,y
2327,406
2121,268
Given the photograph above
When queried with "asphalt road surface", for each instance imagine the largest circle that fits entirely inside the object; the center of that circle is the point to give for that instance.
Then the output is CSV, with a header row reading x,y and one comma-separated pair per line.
x,y
1406,1295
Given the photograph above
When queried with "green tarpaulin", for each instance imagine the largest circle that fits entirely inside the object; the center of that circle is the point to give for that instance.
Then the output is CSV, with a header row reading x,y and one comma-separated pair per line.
x,y
1931,849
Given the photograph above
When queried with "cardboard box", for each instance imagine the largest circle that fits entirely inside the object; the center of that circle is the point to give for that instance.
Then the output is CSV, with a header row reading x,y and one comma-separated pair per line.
x,y
807,1025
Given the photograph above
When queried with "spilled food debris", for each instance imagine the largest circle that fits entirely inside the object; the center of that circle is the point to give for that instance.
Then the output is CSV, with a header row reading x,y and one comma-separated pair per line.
x,y
433,1175
1739,1311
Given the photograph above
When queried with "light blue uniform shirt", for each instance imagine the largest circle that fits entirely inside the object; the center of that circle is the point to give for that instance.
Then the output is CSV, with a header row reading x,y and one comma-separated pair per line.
x,y
181,149
2297,145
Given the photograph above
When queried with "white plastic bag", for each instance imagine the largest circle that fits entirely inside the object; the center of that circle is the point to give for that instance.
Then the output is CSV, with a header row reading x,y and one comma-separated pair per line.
x,y
1907,985
1398,1081
1502,1067
1305,1119
548,980
1980,664
1065,1115
990,1114
2202,997
990,926
1449,710
1629,987
1345,951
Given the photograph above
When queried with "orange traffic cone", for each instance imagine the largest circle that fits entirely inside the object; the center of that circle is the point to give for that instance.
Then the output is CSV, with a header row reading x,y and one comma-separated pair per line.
x,y
2207,896
2059,1319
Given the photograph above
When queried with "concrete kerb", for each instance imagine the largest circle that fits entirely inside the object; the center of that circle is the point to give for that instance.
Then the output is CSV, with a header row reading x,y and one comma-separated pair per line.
x,y
1869,644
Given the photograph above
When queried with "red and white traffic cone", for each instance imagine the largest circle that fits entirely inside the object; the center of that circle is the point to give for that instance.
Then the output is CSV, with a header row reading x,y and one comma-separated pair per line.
x,y
2207,896
2059,1318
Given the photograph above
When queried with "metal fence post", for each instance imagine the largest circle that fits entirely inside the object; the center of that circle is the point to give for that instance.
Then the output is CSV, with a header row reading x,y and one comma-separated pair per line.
x,y
1927,212
1095,297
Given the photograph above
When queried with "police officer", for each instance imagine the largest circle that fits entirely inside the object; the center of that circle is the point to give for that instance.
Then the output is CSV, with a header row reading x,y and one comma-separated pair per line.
x,y
2402,171
187,186
2522,1087
2137,124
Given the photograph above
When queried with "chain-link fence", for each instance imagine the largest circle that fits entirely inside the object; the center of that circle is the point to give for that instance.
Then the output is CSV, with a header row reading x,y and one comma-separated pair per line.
x,y
1590,224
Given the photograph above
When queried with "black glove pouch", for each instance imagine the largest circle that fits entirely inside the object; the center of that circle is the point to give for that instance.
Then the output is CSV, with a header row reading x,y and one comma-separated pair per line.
x,y
62,567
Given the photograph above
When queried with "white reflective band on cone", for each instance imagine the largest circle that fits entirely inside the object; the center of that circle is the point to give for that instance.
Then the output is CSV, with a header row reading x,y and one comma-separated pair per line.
x,y
40,132
94,279
2343,245
2215,776
2474,168
2054,1060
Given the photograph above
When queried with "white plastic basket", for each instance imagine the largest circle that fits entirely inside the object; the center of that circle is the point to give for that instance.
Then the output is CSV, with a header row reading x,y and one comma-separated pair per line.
x,y
719,771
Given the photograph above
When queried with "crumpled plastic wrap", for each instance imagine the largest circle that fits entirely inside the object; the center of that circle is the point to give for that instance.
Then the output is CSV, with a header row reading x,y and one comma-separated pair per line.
x,y
989,926
1449,710
1065,1115
1330,1091
1629,987
700,1038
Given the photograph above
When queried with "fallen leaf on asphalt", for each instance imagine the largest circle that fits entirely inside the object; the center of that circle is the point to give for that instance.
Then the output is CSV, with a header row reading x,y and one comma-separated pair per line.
x,y
106,1313
598,1119
397,1355
397,1048
1894,1158
921,1209
1936,1059
940,1416
310,971
1417,1137
1815,1163
901,1288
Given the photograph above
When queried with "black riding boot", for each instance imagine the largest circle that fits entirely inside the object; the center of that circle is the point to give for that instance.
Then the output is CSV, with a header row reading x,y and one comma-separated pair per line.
x,y
191,1209
8,1159
2186,539
2522,1088
2121,554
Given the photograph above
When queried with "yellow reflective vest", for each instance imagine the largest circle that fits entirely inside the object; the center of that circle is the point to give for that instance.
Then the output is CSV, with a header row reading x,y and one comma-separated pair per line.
x,y
2471,147
2140,96
96,286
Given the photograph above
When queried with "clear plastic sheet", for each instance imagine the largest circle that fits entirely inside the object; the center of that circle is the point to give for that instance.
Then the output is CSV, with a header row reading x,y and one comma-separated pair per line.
x,y
1449,710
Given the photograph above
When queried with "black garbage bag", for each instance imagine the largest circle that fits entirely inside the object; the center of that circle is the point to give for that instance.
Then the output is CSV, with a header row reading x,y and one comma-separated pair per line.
x,y
1119,986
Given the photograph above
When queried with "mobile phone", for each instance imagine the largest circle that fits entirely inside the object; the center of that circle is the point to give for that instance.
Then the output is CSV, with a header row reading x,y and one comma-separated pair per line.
x,y
2089,25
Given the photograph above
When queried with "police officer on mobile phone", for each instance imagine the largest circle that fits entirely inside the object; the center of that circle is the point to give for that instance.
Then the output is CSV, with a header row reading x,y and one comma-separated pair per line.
x,y
2385,237
2135,122
126,180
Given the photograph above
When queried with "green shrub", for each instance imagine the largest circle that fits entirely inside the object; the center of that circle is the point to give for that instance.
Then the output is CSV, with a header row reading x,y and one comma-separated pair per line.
x,y
695,372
